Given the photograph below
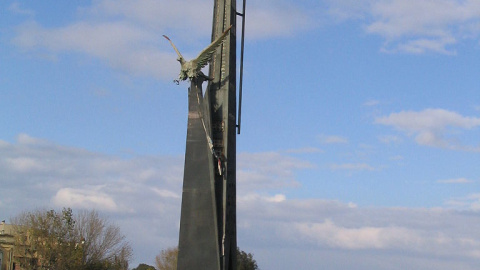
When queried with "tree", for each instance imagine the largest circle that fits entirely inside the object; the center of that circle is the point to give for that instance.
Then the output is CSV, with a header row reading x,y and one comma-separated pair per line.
x,y
46,239
103,243
143,266
57,241
245,261
167,260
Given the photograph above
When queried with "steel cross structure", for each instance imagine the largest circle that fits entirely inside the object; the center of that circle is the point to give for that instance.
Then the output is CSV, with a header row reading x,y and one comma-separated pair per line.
x,y
208,232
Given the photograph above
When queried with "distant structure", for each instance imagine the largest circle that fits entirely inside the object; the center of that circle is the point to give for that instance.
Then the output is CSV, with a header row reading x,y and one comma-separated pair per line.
x,y
208,232
7,243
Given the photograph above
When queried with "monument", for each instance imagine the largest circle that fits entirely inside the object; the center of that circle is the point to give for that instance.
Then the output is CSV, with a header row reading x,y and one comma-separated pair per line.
x,y
208,232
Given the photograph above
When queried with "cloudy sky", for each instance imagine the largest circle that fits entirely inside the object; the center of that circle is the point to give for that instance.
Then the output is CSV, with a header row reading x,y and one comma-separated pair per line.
x,y
360,144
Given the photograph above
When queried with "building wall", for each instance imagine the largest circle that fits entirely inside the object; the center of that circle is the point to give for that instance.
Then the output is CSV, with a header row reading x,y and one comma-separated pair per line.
x,y
6,246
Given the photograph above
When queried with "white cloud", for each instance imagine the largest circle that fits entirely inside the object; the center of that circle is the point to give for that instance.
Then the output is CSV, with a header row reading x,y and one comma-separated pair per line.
x,y
127,35
85,198
122,45
406,25
455,181
414,26
397,157
357,238
182,15
268,170
389,139
46,170
67,175
469,202
23,164
342,10
142,195
306,150
371,103
420,46
332,139
352,167
16,8
277,198
37,173
267,19
147,190
166,193
254,197
320,226
25,139
431,126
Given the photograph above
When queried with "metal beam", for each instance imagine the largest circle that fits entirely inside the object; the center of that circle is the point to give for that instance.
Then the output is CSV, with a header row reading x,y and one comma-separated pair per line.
x,y
223,109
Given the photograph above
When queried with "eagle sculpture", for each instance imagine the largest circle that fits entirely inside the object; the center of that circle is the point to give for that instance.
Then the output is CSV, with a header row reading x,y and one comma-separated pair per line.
x,y
192,69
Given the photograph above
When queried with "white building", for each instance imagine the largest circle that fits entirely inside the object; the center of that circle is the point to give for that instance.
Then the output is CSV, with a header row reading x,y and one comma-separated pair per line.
x,y
6,247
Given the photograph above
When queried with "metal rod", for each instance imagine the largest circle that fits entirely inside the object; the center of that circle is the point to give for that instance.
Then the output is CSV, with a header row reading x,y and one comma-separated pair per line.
x,y
241,70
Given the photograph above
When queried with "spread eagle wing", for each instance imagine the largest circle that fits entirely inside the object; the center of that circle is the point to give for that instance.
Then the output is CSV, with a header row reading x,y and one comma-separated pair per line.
x,y
175,48
206,55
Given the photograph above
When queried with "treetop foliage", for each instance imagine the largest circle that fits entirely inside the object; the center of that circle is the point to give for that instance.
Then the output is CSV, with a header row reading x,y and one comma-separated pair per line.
x,y
167,260
245,261
60,240
143,266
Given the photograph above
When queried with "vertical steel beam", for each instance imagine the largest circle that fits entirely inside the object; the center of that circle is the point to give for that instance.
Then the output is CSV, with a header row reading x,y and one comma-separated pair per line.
x,y
223,109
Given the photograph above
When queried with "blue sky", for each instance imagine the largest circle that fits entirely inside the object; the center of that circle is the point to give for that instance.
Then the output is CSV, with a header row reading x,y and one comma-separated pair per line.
x,y
360,127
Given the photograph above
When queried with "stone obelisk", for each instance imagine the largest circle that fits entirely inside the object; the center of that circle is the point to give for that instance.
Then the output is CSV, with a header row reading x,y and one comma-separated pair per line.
x,y
208,233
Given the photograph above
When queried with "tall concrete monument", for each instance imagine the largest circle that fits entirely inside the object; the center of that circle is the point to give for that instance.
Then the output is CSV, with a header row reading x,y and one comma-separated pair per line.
x,y
208,232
